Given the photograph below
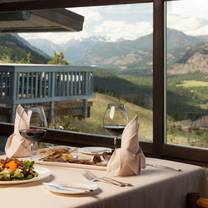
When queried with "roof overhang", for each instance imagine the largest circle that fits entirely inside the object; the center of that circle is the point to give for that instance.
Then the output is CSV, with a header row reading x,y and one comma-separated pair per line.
x,y
11,5
40,21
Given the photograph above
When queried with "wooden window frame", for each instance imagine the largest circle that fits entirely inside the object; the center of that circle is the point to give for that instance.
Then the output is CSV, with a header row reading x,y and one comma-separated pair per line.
x,y
158,148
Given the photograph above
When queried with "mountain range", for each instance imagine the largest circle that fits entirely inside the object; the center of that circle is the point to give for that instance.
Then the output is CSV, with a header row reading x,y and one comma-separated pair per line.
x,y
128,55
185,53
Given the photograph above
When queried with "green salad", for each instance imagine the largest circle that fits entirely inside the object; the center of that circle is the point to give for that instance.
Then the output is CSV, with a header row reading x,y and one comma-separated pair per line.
x,y
14,169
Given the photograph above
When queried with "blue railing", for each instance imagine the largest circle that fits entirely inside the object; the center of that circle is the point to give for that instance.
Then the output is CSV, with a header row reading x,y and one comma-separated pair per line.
x,y
31,84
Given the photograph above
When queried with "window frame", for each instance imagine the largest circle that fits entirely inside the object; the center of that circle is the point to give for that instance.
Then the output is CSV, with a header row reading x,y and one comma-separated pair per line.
x,y
158,148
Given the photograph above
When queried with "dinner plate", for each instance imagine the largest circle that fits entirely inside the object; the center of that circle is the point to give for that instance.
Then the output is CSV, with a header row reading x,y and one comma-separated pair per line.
x,y
72,165
72,188
94,150
42,174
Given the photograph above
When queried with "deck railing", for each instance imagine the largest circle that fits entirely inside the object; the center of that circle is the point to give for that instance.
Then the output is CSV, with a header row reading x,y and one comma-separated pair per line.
x,y
30,84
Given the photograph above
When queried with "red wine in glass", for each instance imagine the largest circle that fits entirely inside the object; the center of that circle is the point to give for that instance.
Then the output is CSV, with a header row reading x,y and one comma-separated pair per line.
x,y
115,130
33,134
37,130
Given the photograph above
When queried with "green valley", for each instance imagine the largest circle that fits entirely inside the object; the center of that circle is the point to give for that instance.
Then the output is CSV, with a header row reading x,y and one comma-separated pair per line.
x,y
123,73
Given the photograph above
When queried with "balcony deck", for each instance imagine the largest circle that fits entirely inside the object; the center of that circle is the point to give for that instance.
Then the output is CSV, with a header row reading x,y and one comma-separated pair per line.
x,y
39,84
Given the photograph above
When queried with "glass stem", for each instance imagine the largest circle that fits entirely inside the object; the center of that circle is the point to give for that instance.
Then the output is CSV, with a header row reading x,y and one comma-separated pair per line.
x,y
34,149
115,142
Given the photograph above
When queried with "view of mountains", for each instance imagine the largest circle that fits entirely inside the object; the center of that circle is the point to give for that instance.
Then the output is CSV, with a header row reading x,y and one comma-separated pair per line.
x,y
125,55
185,53
187,59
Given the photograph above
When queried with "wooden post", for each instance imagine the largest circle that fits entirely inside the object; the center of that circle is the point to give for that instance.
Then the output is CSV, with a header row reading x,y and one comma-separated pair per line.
x,y
13,113
51,112
158,77
85,108
13,86
52,90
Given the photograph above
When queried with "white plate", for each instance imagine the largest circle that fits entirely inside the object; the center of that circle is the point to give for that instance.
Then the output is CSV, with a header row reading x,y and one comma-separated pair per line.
x,y
94,150
42,173
72,165
73,188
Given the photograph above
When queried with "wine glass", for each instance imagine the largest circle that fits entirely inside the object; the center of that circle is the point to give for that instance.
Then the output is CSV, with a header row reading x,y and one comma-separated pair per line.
x,y
115,120
37,127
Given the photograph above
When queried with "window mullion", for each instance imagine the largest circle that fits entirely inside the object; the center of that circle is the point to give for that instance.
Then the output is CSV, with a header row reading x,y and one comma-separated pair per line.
x,y
158,77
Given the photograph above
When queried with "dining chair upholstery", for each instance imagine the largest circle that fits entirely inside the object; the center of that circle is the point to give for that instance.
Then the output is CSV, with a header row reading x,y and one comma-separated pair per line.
x,y
202,202
194,200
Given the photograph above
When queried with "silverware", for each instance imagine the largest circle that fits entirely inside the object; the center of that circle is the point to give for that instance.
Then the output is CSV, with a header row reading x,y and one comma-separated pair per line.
x,y
91,177
68,187
122,183
165,167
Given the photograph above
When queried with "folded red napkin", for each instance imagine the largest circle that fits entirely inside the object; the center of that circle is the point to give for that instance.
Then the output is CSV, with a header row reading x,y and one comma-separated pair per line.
x,y
18,146
129,159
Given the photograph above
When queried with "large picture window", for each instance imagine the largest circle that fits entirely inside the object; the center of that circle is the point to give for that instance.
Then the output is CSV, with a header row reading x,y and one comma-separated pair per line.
x,y
124,66
187,73
115,44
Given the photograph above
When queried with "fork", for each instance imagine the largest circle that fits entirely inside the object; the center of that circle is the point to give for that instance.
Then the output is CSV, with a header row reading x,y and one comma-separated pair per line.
x,y
91,177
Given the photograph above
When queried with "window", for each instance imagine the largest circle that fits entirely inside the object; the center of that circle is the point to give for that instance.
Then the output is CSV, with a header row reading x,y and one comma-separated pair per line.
x,y
115,47
187,73
185,125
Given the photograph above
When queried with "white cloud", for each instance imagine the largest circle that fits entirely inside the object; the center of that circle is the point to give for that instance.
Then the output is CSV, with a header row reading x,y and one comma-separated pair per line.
x,y
191,8
127,9
91,15
189,16
114,30
56,37
110,30
188,24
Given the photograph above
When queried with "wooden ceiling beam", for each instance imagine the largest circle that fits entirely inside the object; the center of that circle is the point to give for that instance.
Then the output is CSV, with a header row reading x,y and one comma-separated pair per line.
x,y
14,5
41,21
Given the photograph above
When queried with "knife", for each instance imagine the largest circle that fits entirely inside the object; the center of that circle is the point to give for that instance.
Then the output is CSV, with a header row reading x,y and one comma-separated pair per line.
x,y
68,187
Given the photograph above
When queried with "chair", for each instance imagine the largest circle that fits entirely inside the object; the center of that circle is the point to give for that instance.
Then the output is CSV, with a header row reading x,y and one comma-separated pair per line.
x,y
194,200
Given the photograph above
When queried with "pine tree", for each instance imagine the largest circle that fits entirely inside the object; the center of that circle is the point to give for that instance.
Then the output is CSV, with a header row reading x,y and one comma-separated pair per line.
x,y
58,58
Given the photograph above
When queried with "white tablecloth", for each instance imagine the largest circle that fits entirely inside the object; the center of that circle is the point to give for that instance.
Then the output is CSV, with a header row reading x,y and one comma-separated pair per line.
x,y
154,188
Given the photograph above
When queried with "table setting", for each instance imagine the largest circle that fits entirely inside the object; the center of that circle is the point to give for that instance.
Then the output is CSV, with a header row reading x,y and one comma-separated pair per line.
x,y
65,176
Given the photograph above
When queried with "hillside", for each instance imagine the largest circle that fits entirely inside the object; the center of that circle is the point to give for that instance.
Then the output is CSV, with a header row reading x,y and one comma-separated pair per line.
x,y
17,50
195,60
134,89
94,123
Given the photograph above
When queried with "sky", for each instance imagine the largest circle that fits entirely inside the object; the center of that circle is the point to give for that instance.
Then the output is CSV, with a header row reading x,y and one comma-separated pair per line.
x,y
132,21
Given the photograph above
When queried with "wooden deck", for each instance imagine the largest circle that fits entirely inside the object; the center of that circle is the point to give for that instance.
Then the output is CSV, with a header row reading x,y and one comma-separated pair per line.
x,y
39,84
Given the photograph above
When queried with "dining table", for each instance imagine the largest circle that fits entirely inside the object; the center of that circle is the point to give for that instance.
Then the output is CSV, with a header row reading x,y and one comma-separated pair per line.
x,y
162,184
